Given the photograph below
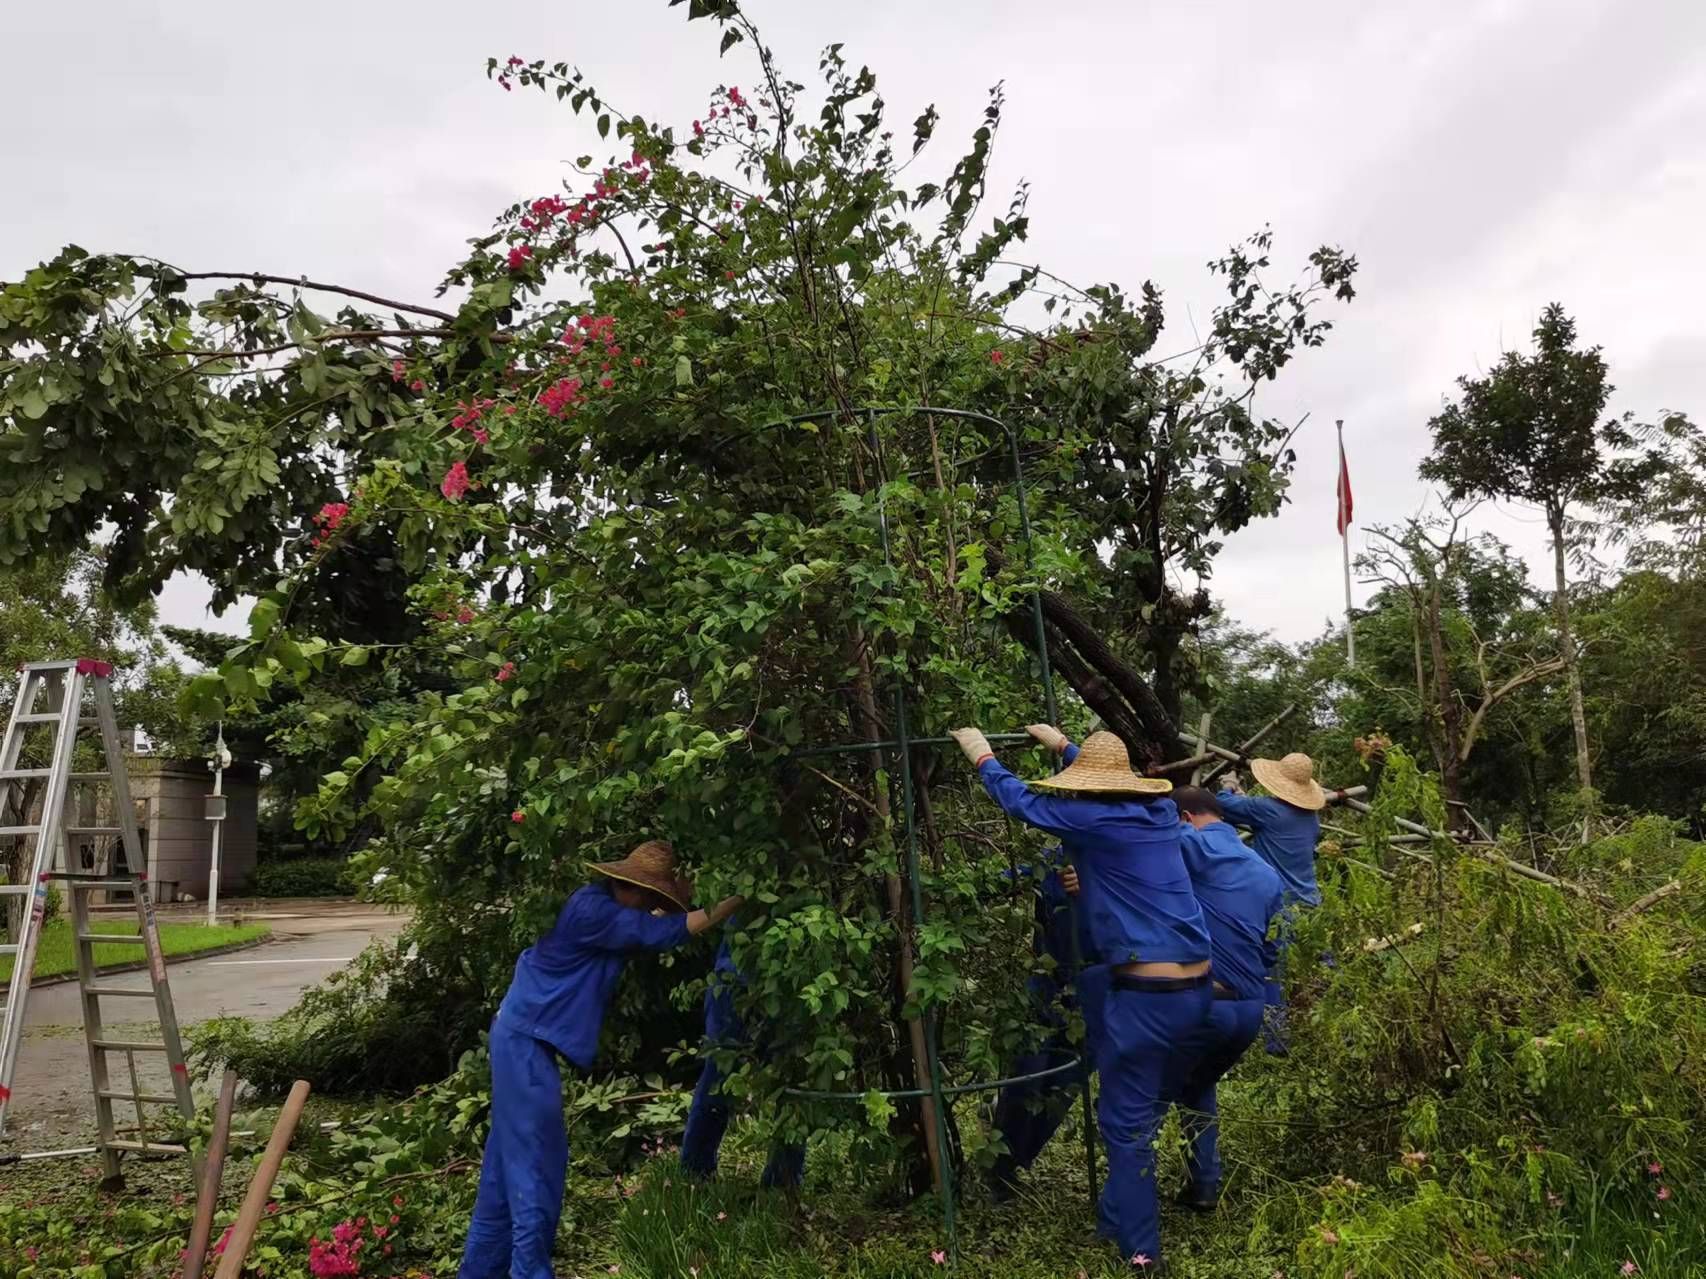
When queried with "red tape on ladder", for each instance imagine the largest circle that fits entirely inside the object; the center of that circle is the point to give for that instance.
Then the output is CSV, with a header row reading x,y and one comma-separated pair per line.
x,y
5,1093
89,666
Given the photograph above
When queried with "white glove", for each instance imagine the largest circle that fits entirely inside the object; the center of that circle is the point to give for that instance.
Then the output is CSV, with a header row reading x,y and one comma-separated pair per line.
x,y
973,743
1049,736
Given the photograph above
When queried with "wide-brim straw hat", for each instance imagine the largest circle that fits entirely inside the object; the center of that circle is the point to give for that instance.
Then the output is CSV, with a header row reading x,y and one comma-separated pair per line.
x,y
1291,779
1103,768
651,866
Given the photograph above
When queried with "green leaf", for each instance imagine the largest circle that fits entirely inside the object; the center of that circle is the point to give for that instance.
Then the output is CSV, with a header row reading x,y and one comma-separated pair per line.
x,y
355,655
32,405
683,371
604,126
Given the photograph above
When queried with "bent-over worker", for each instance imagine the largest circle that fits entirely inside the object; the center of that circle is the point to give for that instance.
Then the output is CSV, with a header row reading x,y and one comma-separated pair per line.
x,y
1122,835
555,1007
1240,896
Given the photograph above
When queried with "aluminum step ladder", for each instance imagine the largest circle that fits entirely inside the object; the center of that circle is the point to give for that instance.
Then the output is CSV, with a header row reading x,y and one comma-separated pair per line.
x,y
71,697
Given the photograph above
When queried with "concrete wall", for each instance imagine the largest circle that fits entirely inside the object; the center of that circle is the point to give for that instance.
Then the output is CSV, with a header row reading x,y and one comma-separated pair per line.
x,y
178,836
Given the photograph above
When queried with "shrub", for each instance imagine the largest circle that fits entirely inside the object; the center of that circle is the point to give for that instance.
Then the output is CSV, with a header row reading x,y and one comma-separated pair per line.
x,y
306,877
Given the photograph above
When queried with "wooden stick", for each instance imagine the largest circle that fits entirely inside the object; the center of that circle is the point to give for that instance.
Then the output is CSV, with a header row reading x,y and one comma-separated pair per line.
x,y
213,1169
1373,944
255,1202
1202,736
1249,744
1646,902
1179,765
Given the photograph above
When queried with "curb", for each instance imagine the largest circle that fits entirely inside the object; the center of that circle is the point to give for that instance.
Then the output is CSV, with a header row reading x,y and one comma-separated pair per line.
x,y
107,970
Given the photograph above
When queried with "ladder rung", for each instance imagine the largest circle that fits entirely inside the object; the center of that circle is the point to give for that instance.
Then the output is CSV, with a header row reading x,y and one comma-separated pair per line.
x,y
111,885
23,774
15,890
91,777
146,1098
10,950
123,939
20,830
140,992
145,1147
94,830
126,1045
40,717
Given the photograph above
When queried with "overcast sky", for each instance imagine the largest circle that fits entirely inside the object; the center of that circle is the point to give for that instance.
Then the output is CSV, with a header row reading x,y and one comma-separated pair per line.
x,y
1481,159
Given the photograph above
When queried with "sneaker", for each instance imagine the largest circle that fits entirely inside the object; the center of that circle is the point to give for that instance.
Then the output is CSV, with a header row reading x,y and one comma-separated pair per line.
x,y
1197,1200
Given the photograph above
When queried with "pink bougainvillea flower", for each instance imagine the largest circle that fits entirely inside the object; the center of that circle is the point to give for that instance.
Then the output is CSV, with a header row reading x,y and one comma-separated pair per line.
x,y
465,614
517,817
514,61
506,672
397,367
997,356
455,482
636,361
518,256
417,385
1628,1268
481,435
939,1257
606,382
1663,1193
1655,1168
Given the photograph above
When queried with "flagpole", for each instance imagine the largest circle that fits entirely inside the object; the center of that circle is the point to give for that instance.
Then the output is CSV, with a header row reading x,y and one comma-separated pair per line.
x,y
1345,547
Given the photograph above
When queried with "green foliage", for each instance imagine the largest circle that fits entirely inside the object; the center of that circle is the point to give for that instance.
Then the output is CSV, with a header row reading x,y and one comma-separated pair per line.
x,y
306,877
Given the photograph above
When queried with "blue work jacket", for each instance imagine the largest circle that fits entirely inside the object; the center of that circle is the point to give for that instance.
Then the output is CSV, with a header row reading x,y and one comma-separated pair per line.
x,y
564,981
1284,836
1239,894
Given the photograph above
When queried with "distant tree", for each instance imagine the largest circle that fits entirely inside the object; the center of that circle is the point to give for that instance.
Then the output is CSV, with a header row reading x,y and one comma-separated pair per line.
x,y
1532,430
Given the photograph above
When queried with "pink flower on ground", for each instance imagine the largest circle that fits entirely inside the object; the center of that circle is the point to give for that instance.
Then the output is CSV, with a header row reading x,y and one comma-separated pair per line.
x,y
506,672
1141,1260
939,1257
517,817
722,1216
1628,1268
1655,1168
1328,1236
1664,1193
455,482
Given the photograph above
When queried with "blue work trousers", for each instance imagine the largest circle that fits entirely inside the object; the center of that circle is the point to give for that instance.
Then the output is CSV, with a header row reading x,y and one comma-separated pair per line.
x,y
708,1120
1145,1024
1028,1114
526,1161
1203,1060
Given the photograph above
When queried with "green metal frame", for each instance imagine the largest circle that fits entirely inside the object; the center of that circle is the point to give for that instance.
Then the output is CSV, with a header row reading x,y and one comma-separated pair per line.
x,y
902,746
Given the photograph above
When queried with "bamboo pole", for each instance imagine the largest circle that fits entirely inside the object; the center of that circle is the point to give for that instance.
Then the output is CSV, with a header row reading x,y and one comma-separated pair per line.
x,y
1249,744
1646,902
255,1202
213,1169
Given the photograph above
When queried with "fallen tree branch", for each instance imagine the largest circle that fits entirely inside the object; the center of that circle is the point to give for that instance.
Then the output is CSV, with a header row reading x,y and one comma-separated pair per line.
x,y
299,283
1645,903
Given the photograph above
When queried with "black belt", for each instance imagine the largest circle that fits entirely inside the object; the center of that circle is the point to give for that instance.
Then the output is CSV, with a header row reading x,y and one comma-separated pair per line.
x,y
1159,985
1225,992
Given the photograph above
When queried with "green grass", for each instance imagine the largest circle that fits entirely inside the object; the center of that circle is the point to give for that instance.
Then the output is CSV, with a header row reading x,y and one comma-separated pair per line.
x,y
55,953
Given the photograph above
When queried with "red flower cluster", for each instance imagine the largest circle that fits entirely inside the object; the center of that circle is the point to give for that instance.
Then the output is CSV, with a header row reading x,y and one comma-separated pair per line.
x,y
397,367
340,1256
327,519
561,396
517,817
470,414
506,673
464,615
518,256
509,70
455,482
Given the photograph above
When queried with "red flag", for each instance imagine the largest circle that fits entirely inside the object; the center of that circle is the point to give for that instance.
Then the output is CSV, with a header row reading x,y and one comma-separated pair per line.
x,y
1344,490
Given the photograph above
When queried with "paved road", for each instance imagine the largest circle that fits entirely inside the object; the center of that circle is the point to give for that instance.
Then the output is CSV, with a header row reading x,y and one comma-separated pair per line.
x,y
51,1103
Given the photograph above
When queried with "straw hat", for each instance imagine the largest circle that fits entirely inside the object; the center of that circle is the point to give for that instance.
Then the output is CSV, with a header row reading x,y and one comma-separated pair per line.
x,y
651,866
1291,779
1103,767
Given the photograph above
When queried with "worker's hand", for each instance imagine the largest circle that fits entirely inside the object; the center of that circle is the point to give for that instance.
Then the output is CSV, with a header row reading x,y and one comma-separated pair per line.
x,y
1069,880
1229,782
973,743
1049,736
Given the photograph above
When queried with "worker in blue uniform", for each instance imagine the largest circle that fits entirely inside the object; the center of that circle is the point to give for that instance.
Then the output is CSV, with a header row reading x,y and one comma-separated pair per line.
x,y
1028,1114
1241,898
708,1117
555,1007
1285,826
1122,836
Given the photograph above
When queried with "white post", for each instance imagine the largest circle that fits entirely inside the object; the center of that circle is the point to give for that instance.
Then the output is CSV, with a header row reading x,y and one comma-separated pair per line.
x,y
221,757
1345,548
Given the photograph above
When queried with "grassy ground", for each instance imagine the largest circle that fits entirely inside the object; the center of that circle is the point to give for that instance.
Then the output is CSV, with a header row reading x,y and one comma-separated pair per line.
x,y
55,953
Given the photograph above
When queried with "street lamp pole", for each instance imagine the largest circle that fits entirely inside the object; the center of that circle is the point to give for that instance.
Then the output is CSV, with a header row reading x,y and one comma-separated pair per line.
x,y
219,763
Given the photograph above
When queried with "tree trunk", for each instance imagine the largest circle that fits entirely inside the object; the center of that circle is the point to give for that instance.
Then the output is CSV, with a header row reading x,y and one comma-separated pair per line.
x,y
1164,644
1450,714
1567,652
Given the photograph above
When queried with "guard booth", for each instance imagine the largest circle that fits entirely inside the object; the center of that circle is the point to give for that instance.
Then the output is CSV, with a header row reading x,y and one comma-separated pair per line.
x,y
175,800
